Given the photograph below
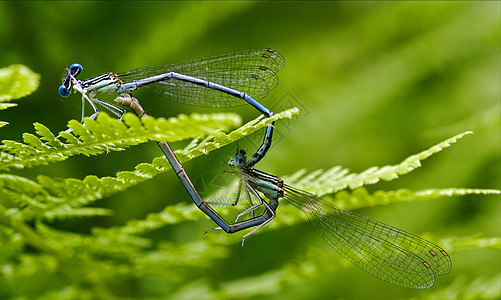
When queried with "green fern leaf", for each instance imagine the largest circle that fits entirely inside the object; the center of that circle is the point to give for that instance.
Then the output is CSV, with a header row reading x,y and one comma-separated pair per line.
x,y
63,198
106,134
92,188
16,81
37,202
68,212
319,182
172,214
336,178
110,249
289,215
360,198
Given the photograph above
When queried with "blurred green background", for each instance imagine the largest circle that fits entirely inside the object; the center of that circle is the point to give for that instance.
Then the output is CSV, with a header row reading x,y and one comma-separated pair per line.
x,y
376,82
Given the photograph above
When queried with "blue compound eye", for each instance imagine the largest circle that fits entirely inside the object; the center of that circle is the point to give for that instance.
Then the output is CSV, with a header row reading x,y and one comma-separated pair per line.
x,y
75,69
64,91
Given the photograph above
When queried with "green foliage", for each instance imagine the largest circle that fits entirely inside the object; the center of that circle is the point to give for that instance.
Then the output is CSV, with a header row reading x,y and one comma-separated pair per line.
x,y
56,198
91,265
16,81
50,199
104,135
336,178
375,82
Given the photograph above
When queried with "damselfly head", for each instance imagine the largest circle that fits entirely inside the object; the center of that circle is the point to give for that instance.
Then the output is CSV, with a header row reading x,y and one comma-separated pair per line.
x,y
239,160
65,88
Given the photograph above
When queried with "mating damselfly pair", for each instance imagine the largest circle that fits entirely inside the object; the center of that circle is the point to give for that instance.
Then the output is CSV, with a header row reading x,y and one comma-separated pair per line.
x,y
246,76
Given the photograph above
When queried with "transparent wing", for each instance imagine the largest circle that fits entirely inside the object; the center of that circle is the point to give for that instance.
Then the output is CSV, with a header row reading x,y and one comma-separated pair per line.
x,y
250,71
382,250
242,195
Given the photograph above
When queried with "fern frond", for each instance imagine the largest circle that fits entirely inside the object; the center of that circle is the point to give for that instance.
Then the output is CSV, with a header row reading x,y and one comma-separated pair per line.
x,y
95,244
107,134
68,212
26,193
221,139
110,251
171,214
63,198
36,201
360,197
16,81
80,258
289,215
337,178
123,248
91,188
